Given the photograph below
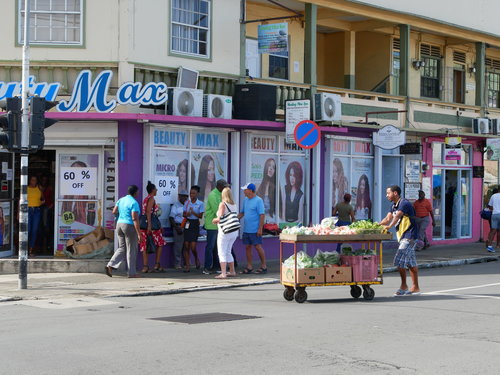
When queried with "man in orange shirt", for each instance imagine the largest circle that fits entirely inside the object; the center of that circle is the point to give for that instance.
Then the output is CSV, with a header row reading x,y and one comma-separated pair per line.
x,y
423,209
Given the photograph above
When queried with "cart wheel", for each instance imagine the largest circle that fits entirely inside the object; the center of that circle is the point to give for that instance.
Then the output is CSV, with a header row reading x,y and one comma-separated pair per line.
x,y
300,295
355,291
288,293
368,293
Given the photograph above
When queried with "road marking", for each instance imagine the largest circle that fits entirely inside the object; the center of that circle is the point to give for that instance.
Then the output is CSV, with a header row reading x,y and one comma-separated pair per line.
x,y
465,288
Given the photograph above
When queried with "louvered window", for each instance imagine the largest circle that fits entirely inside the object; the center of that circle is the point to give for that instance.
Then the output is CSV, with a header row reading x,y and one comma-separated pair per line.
x,y
492,64
493,79
430,72
429,50
396,44
459,57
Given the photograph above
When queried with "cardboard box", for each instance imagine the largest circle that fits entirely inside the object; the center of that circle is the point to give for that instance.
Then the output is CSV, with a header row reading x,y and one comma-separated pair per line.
x,y
87,239
305,275
82,249
338,274
100,244
109,233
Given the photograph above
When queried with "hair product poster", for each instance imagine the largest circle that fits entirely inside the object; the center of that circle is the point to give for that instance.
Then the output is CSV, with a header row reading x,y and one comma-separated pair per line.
x,y
341,167
292,179
263,174
361,188
209,167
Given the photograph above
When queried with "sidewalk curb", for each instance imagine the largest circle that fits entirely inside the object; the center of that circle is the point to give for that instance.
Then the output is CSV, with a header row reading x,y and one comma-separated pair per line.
x,y
196,289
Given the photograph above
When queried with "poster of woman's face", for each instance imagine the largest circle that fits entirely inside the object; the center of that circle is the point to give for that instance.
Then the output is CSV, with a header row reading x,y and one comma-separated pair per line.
x,y
291,189
340,182
210,167
361,194
263,175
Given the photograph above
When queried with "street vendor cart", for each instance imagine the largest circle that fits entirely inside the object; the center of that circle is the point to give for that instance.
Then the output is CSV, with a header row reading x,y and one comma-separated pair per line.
x,y
359,272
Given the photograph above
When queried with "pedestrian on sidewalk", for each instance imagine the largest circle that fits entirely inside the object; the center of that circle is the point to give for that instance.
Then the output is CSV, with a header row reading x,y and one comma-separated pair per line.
x,y
494,206
176,217
254,213
193,212
211,206
423,209
128,232
150,208
225,241
402,216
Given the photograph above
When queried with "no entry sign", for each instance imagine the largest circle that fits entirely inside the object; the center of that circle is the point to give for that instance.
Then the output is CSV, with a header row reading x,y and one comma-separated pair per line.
x,y
307,134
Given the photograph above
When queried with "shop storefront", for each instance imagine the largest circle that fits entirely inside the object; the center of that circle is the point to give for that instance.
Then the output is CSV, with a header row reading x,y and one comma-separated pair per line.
x,y
456,193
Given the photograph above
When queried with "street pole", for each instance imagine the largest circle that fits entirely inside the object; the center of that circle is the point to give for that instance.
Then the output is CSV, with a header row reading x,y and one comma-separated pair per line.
x,y
23,202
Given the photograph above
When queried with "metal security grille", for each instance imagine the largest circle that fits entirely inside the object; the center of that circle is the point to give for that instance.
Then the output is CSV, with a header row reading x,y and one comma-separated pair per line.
x,y
205,318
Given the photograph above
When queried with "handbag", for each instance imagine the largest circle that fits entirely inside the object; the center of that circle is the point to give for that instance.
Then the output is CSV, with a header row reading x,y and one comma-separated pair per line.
x,y
155,222
150,245
485,214
229,222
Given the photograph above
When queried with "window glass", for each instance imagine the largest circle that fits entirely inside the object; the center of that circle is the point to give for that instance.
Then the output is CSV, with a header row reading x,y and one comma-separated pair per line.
x,y
278,65
351,171
183,158
52,21
430,77
190,27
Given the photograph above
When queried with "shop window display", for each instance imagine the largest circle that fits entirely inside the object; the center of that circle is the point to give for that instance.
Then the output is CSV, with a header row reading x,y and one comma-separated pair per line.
x,y
278,171
351,171
185,158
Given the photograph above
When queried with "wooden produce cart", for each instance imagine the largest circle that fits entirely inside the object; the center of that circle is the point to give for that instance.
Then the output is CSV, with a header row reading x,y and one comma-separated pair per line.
x,y
295,286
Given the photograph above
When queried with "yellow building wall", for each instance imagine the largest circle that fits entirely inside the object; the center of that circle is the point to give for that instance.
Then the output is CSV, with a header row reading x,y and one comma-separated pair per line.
x,y
330,59
296,39
373,59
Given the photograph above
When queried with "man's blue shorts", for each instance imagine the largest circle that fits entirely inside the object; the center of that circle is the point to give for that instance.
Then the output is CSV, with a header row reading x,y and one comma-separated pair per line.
x,y
252,239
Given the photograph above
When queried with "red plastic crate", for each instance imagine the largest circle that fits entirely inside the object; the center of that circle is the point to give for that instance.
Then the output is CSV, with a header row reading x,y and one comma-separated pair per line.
x,y
364,267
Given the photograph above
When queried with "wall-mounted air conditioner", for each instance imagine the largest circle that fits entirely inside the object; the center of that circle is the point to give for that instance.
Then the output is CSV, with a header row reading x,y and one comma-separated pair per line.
x,y
184,102
481,126
327,107
217,106
187,78
495,126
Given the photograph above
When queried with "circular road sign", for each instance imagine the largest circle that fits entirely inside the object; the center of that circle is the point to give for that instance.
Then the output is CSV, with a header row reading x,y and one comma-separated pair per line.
x,y
307,134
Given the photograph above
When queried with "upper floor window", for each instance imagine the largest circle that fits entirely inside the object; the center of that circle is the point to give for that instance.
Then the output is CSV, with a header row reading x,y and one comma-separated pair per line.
x,y
190,27
493,77
430,72
278,65
53,22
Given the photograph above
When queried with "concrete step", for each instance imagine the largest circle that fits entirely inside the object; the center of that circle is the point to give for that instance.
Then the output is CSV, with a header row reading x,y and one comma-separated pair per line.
x,y
54,265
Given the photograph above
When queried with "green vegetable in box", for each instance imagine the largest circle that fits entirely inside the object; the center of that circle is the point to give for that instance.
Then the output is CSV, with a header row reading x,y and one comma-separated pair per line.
x,y
367,227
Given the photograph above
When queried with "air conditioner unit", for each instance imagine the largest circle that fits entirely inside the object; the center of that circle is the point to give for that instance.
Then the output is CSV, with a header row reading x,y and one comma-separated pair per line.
x,y
184,102
217,106
327,107
481,126
495,126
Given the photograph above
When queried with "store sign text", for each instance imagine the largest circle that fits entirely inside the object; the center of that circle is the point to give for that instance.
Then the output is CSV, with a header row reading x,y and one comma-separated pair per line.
x,y
263,143
87,93
207,140
169,138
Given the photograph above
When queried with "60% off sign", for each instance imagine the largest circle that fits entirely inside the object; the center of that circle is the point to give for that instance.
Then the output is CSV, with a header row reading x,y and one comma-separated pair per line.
x,y
78,181
167,189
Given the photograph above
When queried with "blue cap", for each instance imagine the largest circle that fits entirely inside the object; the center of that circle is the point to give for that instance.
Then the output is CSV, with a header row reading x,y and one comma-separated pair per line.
x,y
249,186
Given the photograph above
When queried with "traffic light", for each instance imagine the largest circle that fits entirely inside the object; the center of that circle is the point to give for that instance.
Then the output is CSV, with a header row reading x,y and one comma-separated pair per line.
x,y
38,122
10,124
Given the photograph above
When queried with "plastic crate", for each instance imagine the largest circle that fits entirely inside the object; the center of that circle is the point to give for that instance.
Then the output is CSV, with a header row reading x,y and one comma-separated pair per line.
x,y
364,267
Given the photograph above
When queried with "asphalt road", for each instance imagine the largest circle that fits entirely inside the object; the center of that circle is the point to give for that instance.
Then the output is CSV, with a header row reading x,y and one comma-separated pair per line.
x,y
452,328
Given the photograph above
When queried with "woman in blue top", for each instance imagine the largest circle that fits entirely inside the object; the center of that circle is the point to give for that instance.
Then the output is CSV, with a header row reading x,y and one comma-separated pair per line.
x,y
193,212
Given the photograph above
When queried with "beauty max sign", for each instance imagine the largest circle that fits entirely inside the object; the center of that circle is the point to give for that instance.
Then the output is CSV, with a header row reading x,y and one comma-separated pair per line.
x,y
87,93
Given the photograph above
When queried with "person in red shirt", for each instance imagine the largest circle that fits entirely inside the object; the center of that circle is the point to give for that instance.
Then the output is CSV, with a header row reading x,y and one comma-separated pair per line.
x,y
423,208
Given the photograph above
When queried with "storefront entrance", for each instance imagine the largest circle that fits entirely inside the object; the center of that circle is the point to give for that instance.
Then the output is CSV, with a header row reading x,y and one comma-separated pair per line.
x,y
452,203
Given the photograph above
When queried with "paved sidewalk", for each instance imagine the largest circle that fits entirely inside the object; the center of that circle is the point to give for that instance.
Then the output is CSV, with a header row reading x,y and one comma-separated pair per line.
x,y
76,285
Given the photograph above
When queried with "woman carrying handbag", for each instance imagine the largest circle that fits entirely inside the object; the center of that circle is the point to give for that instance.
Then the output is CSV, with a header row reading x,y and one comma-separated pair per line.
x,y
229,225
150,210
